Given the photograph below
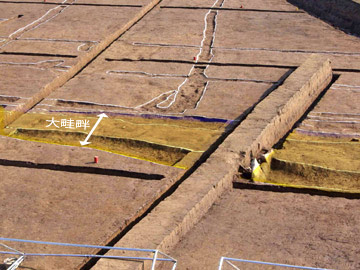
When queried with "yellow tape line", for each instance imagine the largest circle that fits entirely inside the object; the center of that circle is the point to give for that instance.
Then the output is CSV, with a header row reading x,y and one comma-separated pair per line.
x,y
309,187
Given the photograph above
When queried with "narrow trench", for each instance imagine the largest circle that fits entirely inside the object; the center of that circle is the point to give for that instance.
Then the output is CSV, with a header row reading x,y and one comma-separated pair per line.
x,y
81,169
199,63
234,9
39,54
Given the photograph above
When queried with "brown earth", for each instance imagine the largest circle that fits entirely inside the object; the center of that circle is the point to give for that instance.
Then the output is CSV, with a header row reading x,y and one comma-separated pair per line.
x,y
341,14
55,211
69,206
286,228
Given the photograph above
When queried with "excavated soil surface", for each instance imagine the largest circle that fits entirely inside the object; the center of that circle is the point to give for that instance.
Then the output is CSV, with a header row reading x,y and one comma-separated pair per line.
x,y
64,206
274,227
149,62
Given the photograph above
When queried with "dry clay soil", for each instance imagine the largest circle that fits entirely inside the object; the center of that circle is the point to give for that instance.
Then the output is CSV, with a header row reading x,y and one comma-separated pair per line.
x,y
286,228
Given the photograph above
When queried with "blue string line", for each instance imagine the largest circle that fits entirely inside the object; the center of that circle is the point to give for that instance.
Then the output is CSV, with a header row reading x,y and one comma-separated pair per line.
x,y
85,256
273,264
75,245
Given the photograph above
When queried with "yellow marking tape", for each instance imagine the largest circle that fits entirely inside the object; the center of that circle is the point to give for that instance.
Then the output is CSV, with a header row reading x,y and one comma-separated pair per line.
x,y
309,187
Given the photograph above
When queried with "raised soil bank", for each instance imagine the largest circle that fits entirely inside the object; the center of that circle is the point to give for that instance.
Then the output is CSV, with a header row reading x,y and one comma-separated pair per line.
x,y
271,119
344,14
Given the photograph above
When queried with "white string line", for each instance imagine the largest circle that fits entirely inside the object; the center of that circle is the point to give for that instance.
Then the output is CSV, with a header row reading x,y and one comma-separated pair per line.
x,y
84,42
329,118
346,85
333,121
42,17
13,249
211,52
143,74
59,40
306,125
35,64
289,50
164,45
28,26
213,39
172,93
346,89
212,56
334,113
327,133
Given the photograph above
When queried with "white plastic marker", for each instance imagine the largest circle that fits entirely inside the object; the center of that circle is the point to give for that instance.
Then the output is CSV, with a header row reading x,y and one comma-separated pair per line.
x,y
101,116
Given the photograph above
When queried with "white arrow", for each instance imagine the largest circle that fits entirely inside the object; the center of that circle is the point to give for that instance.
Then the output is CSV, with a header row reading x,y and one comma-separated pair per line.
x,y
101,116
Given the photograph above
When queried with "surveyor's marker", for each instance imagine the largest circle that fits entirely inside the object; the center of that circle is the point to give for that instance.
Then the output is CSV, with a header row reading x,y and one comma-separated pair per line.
x,y
101,116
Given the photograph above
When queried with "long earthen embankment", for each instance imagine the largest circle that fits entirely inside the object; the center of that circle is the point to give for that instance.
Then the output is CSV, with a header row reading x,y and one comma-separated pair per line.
x,y
270,120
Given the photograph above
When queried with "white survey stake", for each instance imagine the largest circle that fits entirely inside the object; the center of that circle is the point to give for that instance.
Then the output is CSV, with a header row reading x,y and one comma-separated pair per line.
x,y
85,142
